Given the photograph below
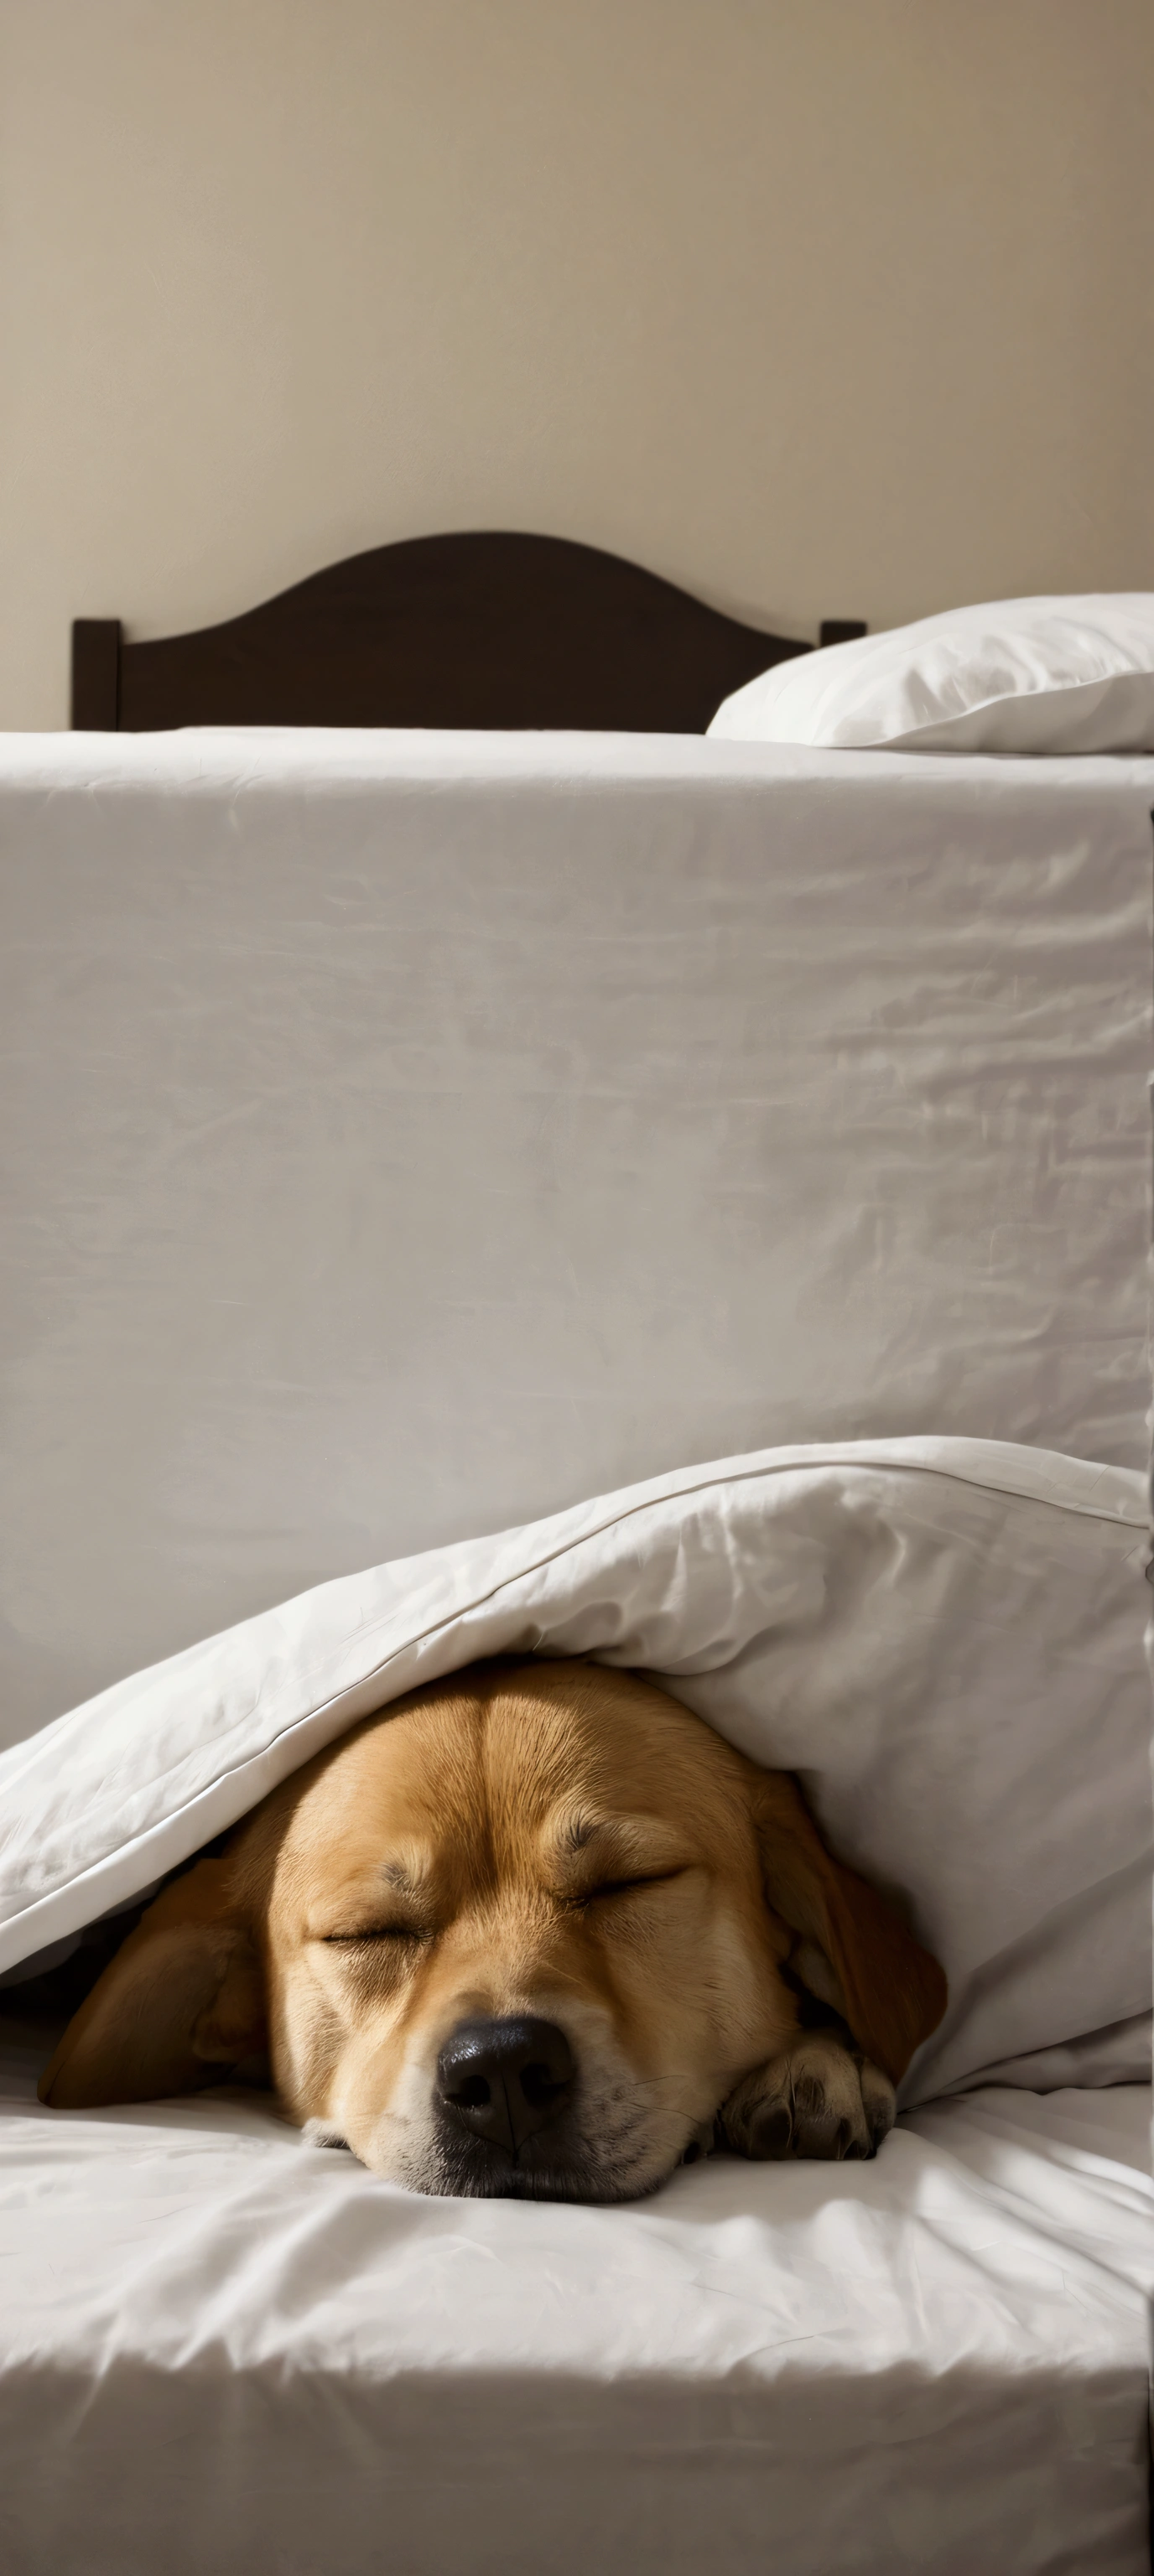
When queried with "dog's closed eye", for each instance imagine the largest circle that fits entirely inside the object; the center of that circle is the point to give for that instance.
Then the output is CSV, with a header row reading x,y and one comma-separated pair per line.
x,y
625,1886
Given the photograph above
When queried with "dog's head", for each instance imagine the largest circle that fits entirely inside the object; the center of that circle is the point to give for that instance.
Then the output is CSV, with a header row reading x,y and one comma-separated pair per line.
x,y
520,1935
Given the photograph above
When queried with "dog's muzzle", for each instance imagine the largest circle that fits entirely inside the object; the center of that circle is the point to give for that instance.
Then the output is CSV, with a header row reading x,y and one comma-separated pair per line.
x,y
518,2115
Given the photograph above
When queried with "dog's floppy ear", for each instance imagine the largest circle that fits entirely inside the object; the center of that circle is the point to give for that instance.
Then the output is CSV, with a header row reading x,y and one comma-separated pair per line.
x,y
182,2000
854,1951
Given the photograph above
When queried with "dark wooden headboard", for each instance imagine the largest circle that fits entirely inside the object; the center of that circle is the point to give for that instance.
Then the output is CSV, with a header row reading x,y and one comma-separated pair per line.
x,y
487,629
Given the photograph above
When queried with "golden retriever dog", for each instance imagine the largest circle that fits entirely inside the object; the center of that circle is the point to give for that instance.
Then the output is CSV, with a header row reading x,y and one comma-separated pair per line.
x,y
533,1932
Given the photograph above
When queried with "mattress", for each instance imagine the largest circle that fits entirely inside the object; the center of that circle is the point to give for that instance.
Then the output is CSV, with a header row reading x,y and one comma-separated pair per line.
x,y
408,1135
224,2348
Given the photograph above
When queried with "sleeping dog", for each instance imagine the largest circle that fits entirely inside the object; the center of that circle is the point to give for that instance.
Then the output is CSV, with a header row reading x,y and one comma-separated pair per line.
x,y
533,1932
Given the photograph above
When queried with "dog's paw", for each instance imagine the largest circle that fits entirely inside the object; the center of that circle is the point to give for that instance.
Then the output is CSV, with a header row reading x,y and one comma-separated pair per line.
x,y
817,2099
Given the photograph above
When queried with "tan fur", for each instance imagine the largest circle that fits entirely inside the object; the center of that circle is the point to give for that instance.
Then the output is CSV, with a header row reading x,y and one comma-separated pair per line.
x,y
460,1858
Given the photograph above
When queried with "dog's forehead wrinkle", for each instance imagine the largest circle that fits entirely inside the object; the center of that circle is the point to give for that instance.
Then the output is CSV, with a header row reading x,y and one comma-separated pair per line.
x,y
579,1831
404,1877
626,1835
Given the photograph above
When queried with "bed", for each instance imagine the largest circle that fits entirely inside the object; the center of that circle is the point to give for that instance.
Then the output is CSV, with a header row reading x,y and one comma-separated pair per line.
x,y
415,1133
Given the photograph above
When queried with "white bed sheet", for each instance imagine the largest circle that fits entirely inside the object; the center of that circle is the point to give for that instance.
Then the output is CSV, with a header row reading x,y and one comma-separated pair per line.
x,y
222,2348
409,1134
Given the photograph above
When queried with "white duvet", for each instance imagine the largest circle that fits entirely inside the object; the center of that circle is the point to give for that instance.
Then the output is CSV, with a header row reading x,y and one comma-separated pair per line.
x,y
943,1638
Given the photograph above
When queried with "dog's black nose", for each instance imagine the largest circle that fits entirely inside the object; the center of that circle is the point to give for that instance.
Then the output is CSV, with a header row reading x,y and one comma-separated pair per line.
x,y
505,2079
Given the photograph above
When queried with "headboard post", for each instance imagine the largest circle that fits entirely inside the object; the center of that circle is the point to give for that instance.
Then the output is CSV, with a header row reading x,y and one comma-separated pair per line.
x,y
841,630
96,675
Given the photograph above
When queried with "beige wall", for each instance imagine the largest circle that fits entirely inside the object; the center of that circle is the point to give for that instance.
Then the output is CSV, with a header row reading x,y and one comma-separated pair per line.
x,y
818,306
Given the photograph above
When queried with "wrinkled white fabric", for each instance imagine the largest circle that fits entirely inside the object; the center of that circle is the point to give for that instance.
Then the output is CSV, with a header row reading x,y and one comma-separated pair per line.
x,y
406,1135
943,1638
221,2348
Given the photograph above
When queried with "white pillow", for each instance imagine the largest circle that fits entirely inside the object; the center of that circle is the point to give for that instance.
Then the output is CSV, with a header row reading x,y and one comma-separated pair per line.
x,y
944,1637
1012,675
